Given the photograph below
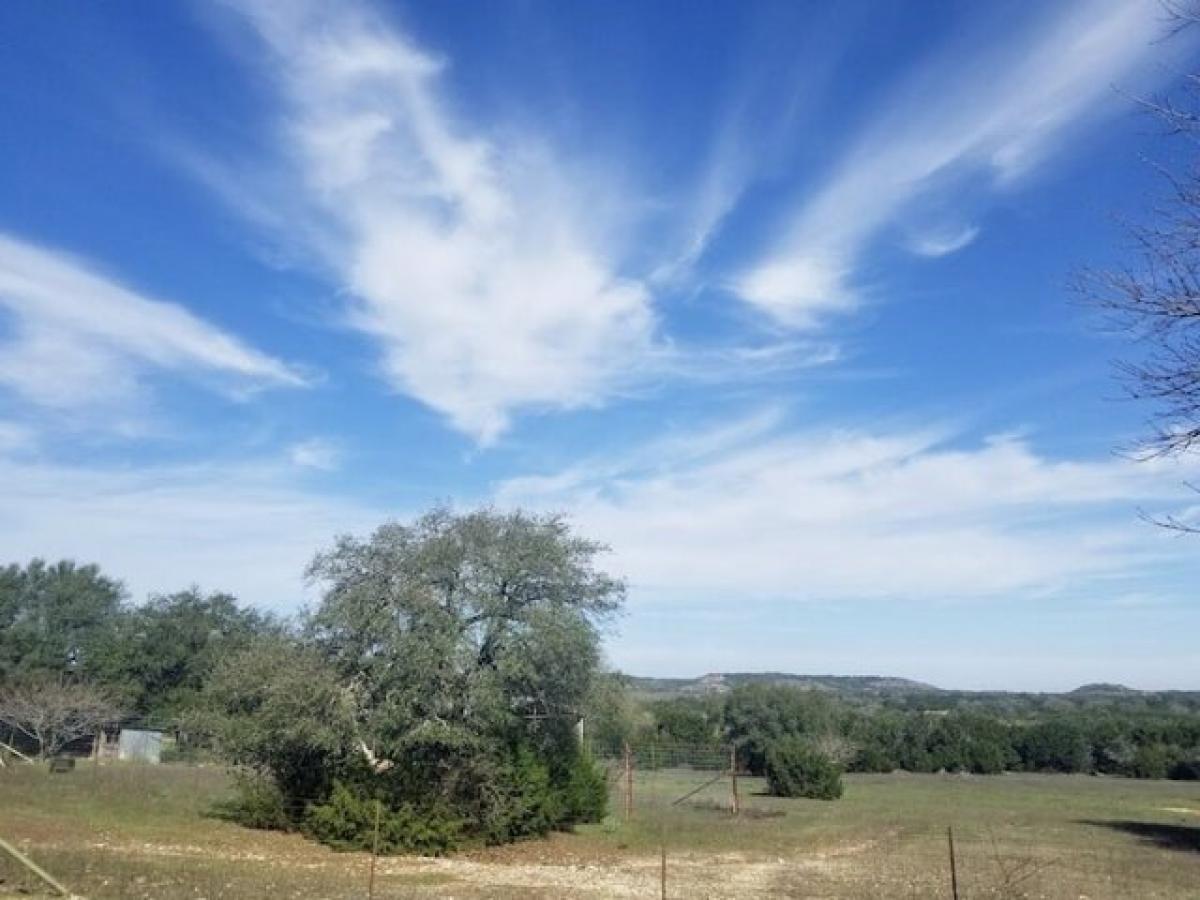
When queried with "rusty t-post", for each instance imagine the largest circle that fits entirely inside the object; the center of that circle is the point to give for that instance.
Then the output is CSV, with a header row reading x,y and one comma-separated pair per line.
x,y
374,851
953,864
733,785
628,782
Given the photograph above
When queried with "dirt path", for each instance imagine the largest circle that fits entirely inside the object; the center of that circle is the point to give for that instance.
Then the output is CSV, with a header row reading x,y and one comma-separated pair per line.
x,y
705,877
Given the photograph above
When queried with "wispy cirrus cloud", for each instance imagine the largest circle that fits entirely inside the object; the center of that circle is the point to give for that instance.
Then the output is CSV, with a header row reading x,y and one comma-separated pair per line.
x,y
474,260
754,509
844,517
985,113
78,339
942,242
780,83
317,453
488,266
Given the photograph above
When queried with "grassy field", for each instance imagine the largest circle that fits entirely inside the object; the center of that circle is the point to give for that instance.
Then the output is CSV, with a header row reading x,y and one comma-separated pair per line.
x,y
143,832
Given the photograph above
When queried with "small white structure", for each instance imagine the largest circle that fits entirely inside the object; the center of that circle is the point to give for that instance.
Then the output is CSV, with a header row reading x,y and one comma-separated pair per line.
x,y
140,745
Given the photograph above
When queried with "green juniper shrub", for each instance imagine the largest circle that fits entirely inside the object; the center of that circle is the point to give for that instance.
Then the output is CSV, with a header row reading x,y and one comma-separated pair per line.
x,y
346,821
757,715
520,797
257,803
525,803
585,792
532,798
872,759
794,769
987,758
687,720
1055,745
1151,761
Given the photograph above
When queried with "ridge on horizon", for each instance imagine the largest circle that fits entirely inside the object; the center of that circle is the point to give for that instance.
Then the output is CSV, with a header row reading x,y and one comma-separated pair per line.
x,y
719,682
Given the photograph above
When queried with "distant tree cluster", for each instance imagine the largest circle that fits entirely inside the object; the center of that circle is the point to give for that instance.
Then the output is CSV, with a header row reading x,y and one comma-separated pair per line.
x,y
76,656
802,739
69,622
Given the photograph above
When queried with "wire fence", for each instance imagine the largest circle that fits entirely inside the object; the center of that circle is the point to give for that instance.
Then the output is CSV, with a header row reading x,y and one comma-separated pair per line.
x,y
699,774
702,809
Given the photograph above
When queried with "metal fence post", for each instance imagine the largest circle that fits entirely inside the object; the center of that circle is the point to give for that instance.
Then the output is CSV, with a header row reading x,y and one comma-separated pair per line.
x,y
737,804
374,851
663,882
628,782
953,864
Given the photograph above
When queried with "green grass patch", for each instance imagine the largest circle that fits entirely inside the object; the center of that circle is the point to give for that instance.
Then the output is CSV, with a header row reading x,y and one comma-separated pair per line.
x,y
144,831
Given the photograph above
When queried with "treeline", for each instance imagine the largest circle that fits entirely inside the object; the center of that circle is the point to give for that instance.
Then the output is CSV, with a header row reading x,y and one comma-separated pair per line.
x,y
1017,705
441,680
430,700
64,621
1097,738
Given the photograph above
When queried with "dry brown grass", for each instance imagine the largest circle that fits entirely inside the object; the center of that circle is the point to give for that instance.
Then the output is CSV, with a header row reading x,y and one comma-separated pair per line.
x,y
142,832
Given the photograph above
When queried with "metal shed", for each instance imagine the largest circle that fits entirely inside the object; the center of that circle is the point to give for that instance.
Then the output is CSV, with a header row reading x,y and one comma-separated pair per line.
x,y
140,745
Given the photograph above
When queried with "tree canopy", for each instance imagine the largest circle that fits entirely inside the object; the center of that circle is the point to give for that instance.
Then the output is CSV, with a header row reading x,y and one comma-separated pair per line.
x,y
55,618
161,654
444,670
459,624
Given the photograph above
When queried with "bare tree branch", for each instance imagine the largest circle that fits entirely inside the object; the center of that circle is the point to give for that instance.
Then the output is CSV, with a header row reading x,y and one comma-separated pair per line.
x,y
1190,525
1154,299
53,713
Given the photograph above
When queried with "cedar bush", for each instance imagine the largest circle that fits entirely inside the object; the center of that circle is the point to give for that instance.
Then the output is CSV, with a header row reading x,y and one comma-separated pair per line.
x,y
585,794
1152,761
257,803
522,797
794,769
346,821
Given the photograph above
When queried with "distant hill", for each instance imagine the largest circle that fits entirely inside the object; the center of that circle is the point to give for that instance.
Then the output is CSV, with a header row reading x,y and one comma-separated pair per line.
x,y
720,682
867,687
1101,689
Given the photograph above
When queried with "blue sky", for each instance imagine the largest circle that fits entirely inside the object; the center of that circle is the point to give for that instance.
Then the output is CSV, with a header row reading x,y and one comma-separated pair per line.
x,y
771,297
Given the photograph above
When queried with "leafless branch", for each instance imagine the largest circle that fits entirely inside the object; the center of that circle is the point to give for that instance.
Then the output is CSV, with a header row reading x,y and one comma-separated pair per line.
x,y
1154,299
53,712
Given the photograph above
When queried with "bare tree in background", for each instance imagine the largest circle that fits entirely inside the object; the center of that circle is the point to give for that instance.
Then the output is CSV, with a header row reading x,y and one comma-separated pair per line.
x,y
53,712
1155,298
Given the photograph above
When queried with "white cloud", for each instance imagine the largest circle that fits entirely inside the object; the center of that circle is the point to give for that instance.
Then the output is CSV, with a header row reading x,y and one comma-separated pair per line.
x,y
799,291
751,510
476,260
763,111
986,110
237,527
944,242
747,511
80,339
315,453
